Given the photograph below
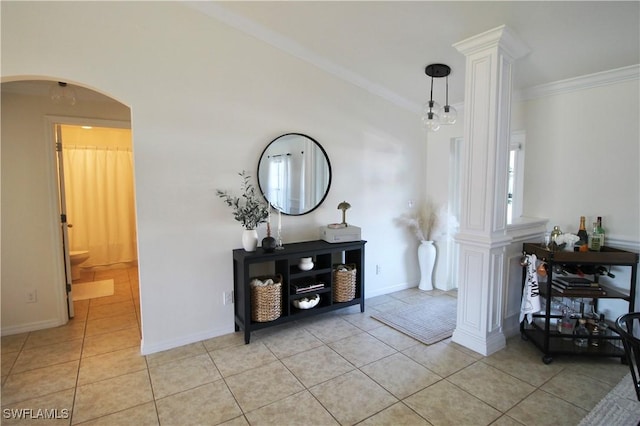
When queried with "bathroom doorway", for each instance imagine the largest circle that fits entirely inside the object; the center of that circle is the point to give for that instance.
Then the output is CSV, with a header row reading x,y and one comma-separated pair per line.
x,y
95,164
34,294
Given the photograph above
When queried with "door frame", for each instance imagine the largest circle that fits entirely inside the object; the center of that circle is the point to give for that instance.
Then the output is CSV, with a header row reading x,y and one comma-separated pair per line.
x,y
61,251
64,224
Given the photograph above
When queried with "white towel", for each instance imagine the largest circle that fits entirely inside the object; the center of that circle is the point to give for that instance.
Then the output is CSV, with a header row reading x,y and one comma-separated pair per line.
x,y
531,291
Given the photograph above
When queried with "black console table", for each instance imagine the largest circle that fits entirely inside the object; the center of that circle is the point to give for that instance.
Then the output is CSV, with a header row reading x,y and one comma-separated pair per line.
x,y
247,265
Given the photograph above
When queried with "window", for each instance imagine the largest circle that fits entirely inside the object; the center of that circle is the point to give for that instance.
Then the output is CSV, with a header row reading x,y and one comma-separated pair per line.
x,y
515,187
515,183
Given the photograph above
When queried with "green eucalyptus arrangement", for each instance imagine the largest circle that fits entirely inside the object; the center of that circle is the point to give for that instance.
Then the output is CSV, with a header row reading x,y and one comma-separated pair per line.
x,y
248,209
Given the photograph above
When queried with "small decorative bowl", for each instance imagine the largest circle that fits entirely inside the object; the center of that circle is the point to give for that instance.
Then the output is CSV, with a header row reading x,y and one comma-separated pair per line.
x,y
307,302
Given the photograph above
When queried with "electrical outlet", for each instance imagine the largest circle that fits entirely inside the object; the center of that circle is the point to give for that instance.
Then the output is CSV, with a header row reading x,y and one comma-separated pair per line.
x,y
378,269
31,296
227,297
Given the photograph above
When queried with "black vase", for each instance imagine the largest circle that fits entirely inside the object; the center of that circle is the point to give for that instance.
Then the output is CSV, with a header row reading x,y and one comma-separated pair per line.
x,y
268,244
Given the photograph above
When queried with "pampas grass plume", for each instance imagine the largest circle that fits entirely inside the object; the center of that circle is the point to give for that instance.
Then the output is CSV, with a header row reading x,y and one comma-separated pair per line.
x,y
429,223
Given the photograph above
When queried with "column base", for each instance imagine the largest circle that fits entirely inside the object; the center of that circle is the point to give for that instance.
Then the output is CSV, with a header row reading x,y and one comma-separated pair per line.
x,y
484,345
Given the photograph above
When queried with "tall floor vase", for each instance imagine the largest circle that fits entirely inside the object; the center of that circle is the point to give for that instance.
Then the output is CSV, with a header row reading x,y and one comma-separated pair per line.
x,y
249,239
426,261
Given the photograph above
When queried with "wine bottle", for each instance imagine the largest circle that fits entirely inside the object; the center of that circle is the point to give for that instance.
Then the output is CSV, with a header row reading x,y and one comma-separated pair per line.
x,y
583,243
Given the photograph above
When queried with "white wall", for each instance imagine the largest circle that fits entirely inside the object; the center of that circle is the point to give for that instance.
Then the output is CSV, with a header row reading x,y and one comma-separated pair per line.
x,y
205,101
582,158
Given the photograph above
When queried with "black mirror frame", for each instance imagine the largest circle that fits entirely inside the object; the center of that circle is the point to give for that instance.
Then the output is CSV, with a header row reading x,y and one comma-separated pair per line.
x,y
326,157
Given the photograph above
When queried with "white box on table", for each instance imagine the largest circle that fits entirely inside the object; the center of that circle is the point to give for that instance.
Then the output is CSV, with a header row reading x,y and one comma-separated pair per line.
x,y
340,235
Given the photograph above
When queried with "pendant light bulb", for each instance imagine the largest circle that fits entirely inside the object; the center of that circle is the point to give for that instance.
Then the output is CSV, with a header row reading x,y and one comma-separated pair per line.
x,y
431,121
448,114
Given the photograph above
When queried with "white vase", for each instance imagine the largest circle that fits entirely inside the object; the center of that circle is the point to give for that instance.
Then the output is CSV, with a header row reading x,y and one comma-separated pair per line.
x,y
305,264
249,239
426,261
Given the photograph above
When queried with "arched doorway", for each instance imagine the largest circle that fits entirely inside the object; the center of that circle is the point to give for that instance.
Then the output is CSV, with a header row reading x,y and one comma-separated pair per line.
x,y
34,271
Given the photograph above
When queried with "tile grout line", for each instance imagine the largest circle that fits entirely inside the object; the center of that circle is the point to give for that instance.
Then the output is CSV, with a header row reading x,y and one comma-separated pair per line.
x,y
75,388
153,396
305,388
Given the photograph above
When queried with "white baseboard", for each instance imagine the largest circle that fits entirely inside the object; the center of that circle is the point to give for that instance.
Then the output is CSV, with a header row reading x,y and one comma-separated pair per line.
x,y
485,345
32,326
147,348
386,290
150,348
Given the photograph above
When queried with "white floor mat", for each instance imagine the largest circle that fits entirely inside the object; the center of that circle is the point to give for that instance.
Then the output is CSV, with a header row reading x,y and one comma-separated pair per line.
x,y
91,290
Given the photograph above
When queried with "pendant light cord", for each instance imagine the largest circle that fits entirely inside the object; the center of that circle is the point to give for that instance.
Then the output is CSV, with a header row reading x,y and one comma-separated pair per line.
x,y
447,92
431,95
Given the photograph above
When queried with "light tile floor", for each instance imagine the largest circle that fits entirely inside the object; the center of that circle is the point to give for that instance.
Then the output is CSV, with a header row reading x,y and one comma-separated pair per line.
x,y
338,368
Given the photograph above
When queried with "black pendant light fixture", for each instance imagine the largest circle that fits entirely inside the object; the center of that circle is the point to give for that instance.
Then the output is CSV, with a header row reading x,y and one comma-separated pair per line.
x,y
433,115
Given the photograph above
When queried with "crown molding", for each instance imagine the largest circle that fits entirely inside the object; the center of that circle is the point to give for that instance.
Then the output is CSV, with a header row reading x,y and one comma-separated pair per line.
x,y
296,49
501,36
589,81
299,51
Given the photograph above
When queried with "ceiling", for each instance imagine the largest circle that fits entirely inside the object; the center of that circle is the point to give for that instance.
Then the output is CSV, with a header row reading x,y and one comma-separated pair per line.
x,y
385,45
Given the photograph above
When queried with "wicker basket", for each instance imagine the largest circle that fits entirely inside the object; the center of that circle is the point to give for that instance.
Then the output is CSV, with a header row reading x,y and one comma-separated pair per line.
x,y
266,300
344,283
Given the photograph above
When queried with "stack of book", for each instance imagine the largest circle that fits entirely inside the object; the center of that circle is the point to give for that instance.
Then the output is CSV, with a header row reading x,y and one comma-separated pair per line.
x,y
578,286
305,288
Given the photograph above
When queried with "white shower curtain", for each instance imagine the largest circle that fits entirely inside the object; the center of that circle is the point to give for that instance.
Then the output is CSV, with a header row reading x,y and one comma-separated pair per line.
x,y
279,176
100,203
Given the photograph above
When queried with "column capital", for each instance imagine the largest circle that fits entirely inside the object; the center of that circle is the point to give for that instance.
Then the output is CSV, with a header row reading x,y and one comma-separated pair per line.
x,y
500,36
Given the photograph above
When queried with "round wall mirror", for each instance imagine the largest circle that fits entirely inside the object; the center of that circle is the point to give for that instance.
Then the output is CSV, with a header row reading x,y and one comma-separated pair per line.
x,y
294,174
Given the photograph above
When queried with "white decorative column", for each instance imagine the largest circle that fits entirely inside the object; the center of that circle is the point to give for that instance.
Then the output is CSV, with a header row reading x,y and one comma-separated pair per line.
x,y
482,236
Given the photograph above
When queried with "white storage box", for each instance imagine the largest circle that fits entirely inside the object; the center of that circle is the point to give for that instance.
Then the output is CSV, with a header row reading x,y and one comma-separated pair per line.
x,y
340,235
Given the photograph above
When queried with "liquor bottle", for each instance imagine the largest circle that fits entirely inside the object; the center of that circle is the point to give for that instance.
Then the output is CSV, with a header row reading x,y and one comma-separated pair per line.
x,y
600,230
566,324
581,334
554,235
594,339
603,326
583,243
595,241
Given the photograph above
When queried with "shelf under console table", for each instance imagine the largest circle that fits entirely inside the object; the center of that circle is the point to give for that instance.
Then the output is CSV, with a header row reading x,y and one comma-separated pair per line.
x,y
284,263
